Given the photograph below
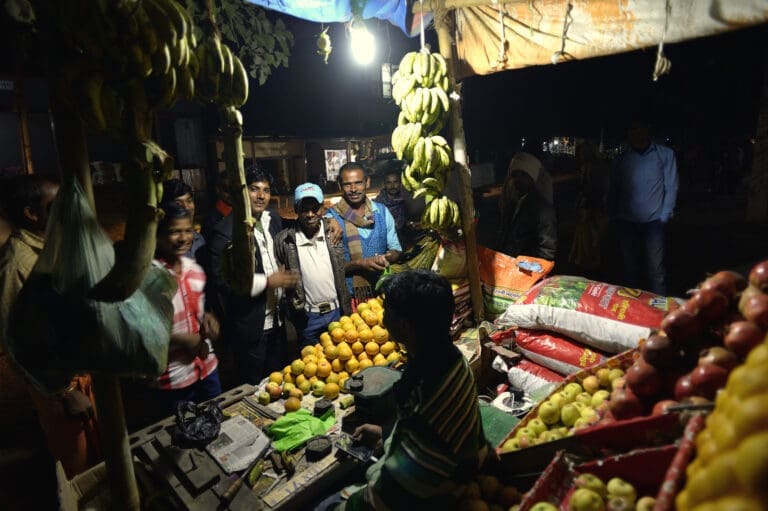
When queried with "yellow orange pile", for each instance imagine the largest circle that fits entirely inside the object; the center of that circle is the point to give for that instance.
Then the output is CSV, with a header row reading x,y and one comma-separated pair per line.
x,y
350,345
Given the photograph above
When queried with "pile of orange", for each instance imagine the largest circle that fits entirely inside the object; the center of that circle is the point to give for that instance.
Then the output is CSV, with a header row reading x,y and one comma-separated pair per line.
x,y
350,345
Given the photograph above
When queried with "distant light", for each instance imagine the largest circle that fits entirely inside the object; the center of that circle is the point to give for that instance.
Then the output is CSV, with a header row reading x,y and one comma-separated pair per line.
x,y
363,43
556,142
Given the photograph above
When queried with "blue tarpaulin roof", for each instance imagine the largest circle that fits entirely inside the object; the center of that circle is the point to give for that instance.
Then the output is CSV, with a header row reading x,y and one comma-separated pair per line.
x,y
339,11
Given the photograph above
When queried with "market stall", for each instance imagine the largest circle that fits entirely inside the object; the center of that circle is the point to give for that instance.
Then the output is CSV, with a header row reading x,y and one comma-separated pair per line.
x,y
254,458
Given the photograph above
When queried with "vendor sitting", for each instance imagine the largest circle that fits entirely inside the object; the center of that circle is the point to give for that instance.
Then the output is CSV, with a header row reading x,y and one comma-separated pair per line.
x,y
437,444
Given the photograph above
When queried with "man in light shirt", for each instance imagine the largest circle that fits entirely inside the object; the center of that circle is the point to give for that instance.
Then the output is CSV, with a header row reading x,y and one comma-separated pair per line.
x,y
320,296
252,325
641,200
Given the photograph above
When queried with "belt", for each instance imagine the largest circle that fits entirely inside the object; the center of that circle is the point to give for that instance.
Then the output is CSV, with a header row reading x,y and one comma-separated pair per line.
x,y
323,308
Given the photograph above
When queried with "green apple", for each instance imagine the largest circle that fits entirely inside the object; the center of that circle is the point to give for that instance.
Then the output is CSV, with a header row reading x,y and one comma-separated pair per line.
x,y
556,434
526,437
568,397
537,425
584,499
589,413
591,384
549,412
512,444
287,386
581,423
574,388
559,399
645,503
569,414
618,487
264,398
318,388
598,397
604,377
580,406
549,436
544,506
525,431
591,482
619,504
615,373
584,397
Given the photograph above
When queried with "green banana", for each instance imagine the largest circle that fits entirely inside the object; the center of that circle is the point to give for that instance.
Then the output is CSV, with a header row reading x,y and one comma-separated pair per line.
x,y
169,92
443,97
165,28
239,82
173,11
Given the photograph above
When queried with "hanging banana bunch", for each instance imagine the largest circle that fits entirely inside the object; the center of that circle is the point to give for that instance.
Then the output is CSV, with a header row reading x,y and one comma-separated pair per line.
x,y
421,88
324,47
119,62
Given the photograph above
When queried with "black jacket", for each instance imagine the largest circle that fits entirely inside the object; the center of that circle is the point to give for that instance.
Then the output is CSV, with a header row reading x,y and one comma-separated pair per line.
x,y
242,317
530,229
288,255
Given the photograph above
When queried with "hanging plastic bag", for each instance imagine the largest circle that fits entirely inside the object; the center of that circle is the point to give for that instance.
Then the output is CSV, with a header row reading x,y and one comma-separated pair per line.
x,y
55,331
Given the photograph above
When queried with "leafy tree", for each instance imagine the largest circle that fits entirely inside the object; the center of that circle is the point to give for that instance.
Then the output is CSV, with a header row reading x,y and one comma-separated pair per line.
x,y
261,44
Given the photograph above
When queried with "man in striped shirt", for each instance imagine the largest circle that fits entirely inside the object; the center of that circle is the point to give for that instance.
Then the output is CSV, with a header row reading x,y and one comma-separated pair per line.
x,y
437,444
192,373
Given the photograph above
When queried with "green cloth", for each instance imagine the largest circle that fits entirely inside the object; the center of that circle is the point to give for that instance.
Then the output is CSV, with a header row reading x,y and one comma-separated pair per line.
x,y
294,428
497,424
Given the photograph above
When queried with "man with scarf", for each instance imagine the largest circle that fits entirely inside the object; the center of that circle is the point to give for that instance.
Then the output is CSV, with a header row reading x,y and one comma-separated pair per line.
x,y
369,233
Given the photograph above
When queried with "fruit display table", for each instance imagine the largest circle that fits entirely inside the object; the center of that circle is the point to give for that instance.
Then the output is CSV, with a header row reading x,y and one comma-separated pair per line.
x,y
192,479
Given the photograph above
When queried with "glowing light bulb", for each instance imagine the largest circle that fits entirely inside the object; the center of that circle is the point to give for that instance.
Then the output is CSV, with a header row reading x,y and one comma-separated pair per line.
x,y
363,43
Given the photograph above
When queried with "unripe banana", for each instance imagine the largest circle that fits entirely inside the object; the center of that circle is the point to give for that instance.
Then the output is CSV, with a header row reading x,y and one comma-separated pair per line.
x,y
239,82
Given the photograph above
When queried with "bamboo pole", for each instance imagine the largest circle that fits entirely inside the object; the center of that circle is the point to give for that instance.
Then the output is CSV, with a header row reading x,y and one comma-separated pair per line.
x,y
21,110
444,26
73,159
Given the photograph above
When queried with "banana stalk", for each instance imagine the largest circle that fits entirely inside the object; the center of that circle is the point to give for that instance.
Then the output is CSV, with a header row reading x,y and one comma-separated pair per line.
x,y
243,261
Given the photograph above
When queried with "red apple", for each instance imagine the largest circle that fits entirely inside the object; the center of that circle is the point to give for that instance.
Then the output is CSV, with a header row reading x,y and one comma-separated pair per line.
x,y
660,408
758,276
708,304
742,336
681,326
683,387
659,351
624,404
643,379
756,310
727,282
719,356
707,379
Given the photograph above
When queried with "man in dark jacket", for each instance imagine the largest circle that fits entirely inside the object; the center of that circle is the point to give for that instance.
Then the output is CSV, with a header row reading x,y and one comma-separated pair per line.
x,y
321,295
251,324
528,225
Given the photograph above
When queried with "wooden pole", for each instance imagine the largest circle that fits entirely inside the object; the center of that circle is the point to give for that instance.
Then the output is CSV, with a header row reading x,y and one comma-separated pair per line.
x,y
21,110
444,25
73,158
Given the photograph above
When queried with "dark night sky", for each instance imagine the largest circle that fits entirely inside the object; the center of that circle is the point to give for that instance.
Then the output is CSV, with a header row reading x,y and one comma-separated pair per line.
x,y
712,93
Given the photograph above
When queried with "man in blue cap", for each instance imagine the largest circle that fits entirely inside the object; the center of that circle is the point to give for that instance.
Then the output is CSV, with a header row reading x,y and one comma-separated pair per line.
x,y
320,295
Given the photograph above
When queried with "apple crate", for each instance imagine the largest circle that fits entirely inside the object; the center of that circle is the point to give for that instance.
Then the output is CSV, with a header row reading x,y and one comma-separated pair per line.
x,y
608,435
655,471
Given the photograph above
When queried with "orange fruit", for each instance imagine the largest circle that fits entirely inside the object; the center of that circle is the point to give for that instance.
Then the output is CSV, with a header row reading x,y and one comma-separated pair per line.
x,y
310,370
364,364
333,325
307,350
365,335
332,352
325,338
380,335
357,347
287,377
345,352
331,391
343,374
323,369
345,319
299,380
337,365
362,356
352,365
292,404
332,378
371,348
309,359
370,318
351,335
387,348
393,357
337,334
379,360
355,318
276,377
362,307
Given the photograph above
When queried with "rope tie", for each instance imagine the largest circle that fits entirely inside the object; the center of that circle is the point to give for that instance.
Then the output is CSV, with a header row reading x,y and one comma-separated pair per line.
x,y
562,55
663,65
503,43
